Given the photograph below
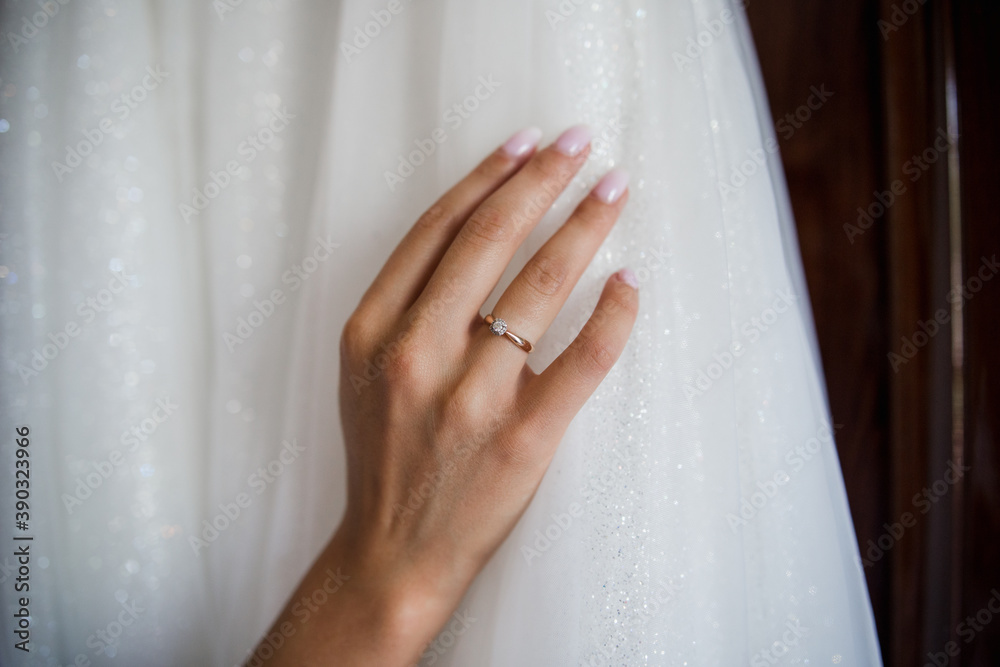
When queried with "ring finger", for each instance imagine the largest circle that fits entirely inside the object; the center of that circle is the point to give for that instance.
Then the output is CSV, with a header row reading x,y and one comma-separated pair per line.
x,y
535,296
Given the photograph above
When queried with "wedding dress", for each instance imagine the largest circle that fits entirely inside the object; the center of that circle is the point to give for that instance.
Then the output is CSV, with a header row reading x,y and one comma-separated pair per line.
x,y
202,191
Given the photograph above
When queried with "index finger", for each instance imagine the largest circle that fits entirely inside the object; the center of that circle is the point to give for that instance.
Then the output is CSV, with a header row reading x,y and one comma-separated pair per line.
x,y
405,274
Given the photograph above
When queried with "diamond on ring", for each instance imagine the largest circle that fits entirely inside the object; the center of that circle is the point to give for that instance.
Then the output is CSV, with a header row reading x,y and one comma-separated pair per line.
x,y
498,327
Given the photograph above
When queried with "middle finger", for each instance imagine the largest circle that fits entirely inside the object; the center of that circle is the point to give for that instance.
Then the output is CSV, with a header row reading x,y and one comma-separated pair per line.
x,y
488,240
537,294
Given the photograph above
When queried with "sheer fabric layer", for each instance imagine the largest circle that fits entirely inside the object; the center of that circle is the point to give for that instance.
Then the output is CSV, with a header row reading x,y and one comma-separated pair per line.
x,y
695,512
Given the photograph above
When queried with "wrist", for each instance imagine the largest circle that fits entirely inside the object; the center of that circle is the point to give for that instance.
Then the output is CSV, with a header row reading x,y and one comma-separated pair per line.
x,y
400,604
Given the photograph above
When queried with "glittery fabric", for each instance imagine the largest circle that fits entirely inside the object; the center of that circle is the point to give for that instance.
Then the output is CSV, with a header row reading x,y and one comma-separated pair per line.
x,y
694,514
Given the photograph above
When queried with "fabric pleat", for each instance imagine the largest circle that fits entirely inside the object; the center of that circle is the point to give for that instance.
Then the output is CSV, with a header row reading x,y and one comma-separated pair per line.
x,y
204,190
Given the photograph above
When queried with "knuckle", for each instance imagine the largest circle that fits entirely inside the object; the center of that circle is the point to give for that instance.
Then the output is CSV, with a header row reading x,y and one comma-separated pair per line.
x,y
619,303
596,354
394,362
493,168
401,369
545,274
356,336
551,172
555,168
467,409
487,226
593,215
435,218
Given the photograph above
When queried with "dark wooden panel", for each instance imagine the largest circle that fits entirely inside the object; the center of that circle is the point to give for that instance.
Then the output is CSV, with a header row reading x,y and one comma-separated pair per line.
x,y
978,78
920,382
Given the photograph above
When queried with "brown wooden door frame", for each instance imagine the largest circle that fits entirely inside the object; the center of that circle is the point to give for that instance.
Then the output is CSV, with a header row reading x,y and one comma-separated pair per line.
x,y
941,82
918,255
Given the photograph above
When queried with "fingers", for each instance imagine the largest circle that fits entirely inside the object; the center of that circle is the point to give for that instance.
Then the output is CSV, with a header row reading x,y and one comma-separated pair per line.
x,y
489,238
411,264
539,291
554,397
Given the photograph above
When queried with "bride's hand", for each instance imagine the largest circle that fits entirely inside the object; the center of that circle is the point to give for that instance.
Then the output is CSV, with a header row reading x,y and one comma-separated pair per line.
x,y
448,431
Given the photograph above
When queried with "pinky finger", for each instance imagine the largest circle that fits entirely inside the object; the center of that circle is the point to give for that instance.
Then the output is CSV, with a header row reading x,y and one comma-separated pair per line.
x,y
557,394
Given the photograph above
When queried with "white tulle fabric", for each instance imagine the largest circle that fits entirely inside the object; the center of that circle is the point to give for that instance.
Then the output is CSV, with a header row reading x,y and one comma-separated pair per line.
x,y
695,512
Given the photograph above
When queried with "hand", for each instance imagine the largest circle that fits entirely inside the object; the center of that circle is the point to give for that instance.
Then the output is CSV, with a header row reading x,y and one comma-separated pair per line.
x,y
448,444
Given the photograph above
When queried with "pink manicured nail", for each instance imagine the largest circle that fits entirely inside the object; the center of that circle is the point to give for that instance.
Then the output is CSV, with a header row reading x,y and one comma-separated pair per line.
x,y
522,142
628,277
573,140
610,188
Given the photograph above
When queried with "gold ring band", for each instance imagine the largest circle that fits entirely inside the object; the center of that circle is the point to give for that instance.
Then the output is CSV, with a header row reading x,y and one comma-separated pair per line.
x,y
498,327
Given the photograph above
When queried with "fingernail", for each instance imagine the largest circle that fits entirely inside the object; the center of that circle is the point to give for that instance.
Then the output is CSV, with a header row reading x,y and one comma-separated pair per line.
x,y
610,188
628,277
522,142
573,140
